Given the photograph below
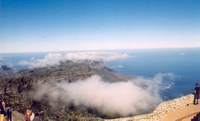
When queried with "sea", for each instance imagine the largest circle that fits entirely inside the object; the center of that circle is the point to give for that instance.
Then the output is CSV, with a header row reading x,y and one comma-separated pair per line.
x,y
184,63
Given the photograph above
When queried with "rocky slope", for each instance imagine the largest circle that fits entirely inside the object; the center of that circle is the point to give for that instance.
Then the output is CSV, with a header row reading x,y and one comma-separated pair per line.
x,y
18,92
6,72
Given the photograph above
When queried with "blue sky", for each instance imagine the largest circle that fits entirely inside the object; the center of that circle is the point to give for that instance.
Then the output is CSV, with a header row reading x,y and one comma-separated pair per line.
x,y
59,25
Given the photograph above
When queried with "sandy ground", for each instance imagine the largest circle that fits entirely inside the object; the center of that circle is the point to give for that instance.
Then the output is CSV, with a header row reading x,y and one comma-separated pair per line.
x,y
184,114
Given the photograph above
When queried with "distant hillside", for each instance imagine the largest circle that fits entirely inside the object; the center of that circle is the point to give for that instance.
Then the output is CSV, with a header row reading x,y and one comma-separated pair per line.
x,y
72,71
6,72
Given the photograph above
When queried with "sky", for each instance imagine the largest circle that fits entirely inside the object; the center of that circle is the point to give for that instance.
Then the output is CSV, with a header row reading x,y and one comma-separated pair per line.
x,y
62,25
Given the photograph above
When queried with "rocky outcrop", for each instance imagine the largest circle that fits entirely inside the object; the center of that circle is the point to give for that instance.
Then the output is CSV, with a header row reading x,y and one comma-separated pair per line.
x,y
16,116
18,92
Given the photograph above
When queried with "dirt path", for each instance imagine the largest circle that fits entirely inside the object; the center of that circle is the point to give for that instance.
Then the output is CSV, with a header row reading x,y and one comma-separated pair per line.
x,y
184,114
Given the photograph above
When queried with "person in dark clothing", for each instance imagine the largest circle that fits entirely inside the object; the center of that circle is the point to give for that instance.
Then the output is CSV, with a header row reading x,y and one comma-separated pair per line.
x,y
196,118
2,109
5,89
20,88
196,94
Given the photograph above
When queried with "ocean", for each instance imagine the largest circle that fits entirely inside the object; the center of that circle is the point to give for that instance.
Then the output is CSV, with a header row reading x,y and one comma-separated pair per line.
x,y
183,63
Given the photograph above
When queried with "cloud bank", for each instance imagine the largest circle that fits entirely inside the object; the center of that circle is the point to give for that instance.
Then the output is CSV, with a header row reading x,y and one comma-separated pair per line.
x,y
106,56
55,58
137,96
117,66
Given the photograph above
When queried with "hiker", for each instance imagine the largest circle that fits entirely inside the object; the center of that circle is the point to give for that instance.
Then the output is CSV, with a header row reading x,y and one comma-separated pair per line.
x,y
20,88
8,116
2,109
5,89
29,115
196,94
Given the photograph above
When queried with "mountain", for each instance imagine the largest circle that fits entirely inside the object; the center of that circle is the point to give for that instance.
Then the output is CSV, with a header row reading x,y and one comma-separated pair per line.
x,y
19,91
6,71
73,71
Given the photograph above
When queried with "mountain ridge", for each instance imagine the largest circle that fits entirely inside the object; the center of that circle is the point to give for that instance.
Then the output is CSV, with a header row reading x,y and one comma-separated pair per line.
x,y
73,71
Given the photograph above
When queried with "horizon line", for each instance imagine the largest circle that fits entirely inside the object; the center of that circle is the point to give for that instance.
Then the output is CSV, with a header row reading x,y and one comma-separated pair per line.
x,y
52,51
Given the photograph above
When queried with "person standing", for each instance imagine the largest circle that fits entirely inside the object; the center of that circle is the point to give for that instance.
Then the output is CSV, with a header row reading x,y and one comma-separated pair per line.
x,y
5,89
27,115
196,94
2,109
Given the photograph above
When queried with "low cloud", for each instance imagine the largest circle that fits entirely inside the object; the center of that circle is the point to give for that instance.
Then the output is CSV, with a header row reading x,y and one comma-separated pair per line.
x,y
106,56
117,66
133,97
55,58
48,60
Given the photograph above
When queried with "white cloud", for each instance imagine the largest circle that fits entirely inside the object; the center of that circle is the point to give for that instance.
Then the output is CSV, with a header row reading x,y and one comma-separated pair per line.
x,y
106,56
50,59
137,96
55,58
117,66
